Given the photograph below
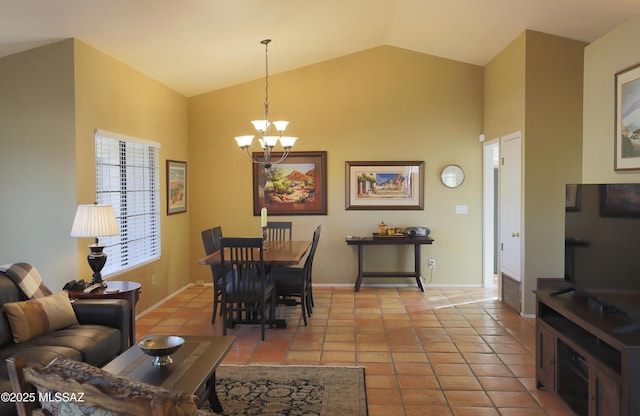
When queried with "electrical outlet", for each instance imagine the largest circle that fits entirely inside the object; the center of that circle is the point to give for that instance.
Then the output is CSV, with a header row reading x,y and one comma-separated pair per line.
x,y
153,280
199,282
432,263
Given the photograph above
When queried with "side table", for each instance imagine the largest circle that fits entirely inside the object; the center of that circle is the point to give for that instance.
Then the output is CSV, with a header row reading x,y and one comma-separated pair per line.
x,y
125,290
416,242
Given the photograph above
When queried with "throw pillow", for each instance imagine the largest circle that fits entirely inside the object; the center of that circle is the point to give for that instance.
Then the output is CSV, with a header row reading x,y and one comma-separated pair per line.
x,y
34,317
103,393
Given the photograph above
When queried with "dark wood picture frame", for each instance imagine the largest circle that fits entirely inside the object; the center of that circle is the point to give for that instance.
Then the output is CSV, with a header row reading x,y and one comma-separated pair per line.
x,y
392,185
295,186
176,187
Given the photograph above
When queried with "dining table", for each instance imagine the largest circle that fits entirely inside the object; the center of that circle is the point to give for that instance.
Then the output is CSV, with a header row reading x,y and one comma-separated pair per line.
x,y
274,253
288,252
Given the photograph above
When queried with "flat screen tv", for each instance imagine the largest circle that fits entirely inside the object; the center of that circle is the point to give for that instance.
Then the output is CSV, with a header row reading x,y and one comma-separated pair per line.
x,y
602,244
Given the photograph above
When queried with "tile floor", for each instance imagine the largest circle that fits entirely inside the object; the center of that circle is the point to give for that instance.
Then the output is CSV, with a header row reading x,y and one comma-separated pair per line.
x,y
453,352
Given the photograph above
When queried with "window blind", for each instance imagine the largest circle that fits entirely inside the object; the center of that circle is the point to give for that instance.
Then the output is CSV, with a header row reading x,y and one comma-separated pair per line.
x,y
128,178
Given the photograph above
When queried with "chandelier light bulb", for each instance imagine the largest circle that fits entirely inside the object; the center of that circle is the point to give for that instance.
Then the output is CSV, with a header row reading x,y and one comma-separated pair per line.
x,y
244,141
281,125
287,141
261,125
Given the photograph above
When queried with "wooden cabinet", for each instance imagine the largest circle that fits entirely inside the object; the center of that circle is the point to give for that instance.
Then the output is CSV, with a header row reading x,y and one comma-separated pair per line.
x,y
605,392
583,358
546,357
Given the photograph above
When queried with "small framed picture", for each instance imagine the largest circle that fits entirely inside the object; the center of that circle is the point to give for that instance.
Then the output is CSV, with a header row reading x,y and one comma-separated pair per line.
x,y
176,187
627,119
395,185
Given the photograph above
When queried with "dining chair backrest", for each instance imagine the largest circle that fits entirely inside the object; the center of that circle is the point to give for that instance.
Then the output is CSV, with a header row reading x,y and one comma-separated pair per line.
x,y
279,230
312,251
244,258
211,242
208,242
211,239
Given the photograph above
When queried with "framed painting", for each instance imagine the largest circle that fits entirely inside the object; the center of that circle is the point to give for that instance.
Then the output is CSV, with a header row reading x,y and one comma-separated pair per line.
x,y
620,200
295,186
384,185
176,187
627,119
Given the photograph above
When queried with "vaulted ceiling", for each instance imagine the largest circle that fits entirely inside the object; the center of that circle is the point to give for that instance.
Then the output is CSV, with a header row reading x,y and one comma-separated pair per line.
x,y
195,46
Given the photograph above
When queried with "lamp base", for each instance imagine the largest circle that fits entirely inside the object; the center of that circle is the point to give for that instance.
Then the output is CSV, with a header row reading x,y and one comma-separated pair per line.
x,y
97,259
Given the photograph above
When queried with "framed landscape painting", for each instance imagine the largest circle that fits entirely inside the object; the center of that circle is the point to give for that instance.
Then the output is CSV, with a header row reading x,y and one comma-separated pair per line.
x,y
627,119
176,187
295,186
384,185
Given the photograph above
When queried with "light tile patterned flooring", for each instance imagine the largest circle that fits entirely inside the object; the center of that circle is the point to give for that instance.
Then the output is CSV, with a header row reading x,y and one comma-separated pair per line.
x,y
453,352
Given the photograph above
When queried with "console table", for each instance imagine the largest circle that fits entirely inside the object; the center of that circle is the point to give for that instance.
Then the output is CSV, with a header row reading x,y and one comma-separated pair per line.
x,y
416,242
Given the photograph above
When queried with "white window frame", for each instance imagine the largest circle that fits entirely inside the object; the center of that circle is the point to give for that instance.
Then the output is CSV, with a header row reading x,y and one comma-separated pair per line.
x,y
128,178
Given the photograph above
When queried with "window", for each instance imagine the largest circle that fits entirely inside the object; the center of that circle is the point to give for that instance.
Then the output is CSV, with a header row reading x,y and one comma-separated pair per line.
x,y
127,177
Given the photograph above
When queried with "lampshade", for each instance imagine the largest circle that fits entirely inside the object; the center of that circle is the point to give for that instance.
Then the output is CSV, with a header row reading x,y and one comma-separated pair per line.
x,y
93,220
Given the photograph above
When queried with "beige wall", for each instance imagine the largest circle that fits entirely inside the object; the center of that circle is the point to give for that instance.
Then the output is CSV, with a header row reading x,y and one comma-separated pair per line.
x,y
603,58
37,172
380,104
112,96
504,93
552,148
52,99
534,86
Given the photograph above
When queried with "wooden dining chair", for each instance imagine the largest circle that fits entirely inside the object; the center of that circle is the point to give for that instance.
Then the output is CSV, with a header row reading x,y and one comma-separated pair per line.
x,y
211,241
279,230
293,284
246,290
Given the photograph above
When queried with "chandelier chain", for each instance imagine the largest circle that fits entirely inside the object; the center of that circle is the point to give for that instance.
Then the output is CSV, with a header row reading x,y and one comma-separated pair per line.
x,y
266,78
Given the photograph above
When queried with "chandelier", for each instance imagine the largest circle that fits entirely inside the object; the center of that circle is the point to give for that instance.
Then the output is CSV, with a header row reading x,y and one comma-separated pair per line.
x,y
267,141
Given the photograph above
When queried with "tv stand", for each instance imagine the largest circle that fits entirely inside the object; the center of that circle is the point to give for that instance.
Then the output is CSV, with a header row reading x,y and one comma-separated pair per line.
x,y
562,291
583,358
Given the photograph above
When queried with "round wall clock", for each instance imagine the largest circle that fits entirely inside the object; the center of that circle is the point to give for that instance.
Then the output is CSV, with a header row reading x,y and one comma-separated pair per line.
x,y
452,176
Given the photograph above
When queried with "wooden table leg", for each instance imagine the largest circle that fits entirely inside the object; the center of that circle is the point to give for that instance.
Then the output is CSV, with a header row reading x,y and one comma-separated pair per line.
x,y
214,402
360,265
418,266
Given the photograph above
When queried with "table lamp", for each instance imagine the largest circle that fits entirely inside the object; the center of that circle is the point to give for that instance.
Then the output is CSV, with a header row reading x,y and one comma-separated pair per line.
x,y
94,220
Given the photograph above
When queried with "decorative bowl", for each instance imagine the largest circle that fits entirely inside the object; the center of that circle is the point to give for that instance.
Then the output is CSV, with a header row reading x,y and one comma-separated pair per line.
x,y
161,347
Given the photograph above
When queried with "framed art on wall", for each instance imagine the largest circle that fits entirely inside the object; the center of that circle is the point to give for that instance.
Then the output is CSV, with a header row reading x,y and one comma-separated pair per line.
x,y
395,185
295,186
176,187
627,119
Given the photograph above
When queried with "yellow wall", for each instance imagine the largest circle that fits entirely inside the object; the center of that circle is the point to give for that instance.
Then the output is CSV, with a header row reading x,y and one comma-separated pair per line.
x,y
380,104
534,86
37,173
552,148
603,58
112,96
504,95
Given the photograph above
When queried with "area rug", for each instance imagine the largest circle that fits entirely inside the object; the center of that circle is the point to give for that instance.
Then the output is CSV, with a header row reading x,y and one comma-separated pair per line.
x,y
291,390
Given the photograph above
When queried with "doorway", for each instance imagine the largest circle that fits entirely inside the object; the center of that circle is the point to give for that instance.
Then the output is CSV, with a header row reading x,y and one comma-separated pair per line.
x,y
490,186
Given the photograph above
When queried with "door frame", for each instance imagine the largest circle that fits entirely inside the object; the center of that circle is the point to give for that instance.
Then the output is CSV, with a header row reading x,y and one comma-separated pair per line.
x,y
490,190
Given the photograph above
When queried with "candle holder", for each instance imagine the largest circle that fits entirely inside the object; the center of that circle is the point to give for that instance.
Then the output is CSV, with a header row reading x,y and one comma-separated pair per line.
x,y
265,243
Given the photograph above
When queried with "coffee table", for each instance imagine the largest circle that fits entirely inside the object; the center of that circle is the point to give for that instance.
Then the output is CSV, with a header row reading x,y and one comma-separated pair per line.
x,y
193,369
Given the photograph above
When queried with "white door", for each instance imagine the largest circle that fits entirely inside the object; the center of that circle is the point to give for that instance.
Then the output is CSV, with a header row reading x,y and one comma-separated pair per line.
x,y
511,206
